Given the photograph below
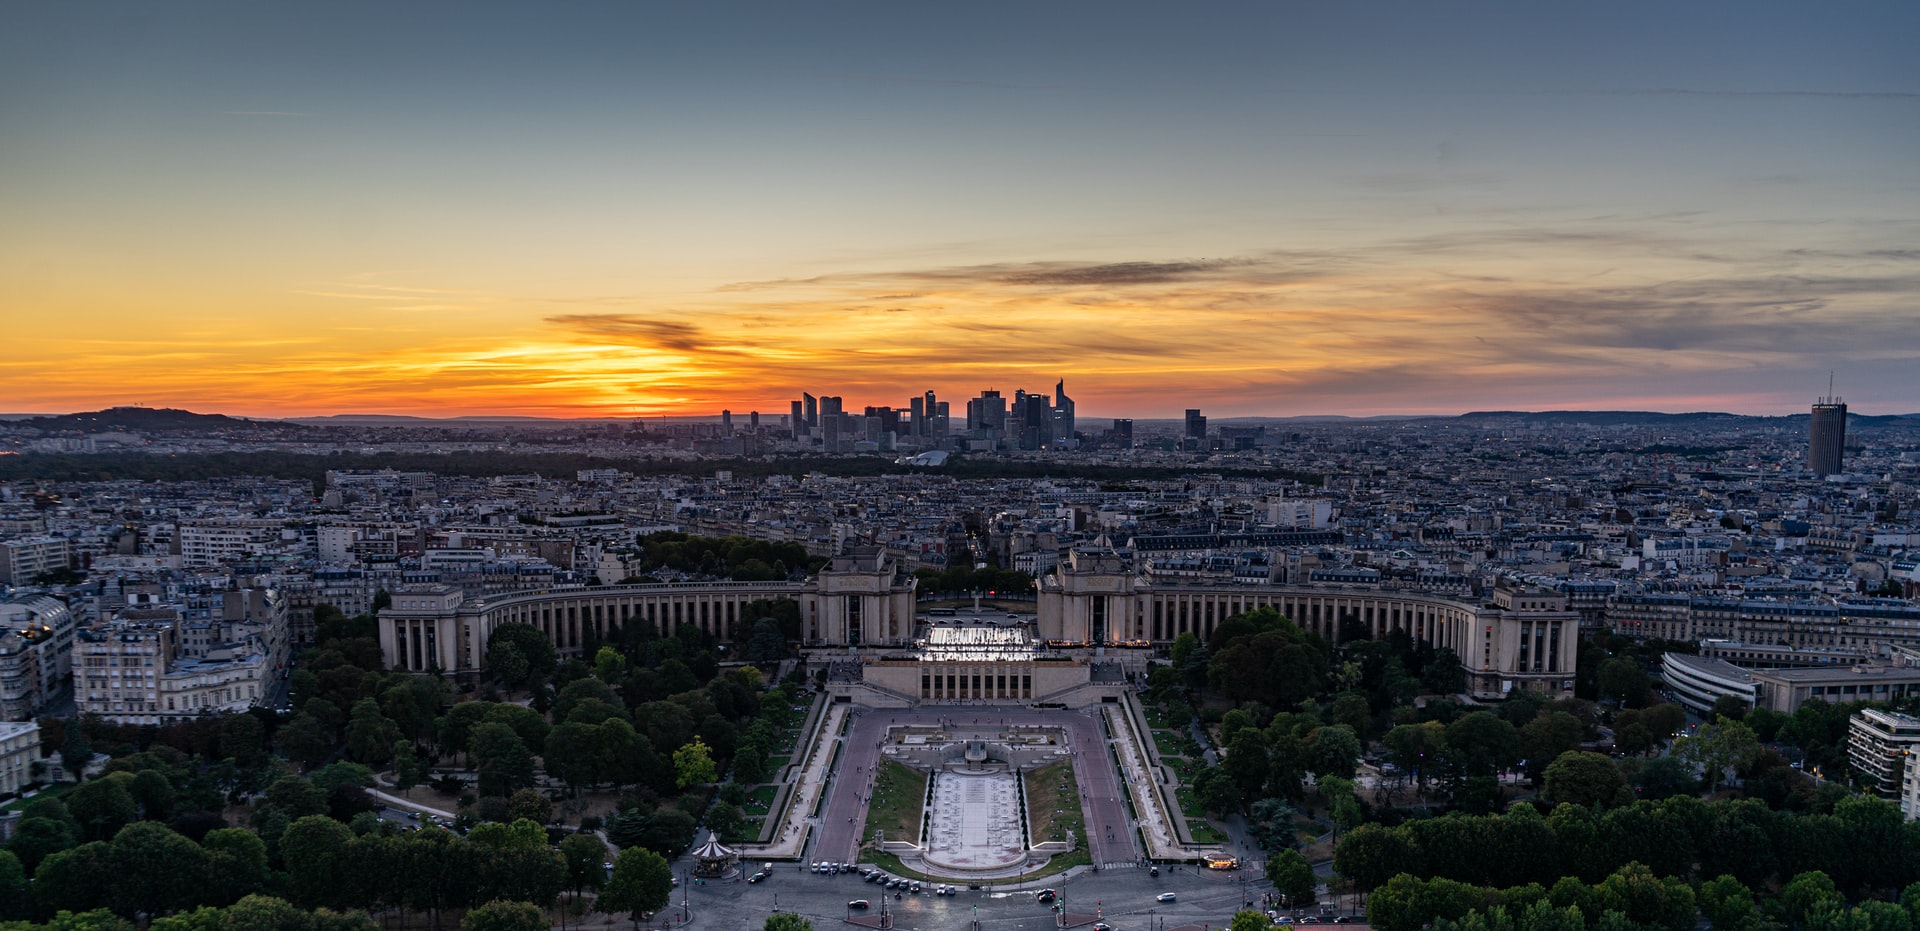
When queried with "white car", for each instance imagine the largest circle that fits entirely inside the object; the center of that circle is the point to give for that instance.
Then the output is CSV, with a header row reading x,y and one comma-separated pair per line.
x,y
1166,897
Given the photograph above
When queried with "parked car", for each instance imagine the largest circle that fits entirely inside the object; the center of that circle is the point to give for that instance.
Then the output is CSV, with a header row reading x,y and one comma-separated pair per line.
x,y
859,903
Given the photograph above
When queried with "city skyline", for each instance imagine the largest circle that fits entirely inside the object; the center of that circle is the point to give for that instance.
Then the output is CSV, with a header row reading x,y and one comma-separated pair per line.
x,y
1253,210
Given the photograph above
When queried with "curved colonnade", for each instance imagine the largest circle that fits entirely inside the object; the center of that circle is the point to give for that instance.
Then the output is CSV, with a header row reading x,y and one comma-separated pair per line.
x,y
1512,640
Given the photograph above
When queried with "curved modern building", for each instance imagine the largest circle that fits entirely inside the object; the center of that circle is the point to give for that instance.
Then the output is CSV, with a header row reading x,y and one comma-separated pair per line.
x,y
1095,610
1698,682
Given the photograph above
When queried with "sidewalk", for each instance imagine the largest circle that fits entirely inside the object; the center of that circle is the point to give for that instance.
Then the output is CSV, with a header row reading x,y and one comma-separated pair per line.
x,y
791,842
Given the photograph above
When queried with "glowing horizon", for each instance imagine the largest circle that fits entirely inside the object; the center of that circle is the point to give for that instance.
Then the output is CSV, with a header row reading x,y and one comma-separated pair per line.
x,y
1246,209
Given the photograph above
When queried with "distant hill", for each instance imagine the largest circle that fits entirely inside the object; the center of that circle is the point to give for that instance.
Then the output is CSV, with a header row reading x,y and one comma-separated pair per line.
x,y
143,420
1607,418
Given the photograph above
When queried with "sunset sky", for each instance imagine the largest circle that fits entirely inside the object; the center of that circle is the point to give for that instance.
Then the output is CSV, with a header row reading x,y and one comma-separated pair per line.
x,y
1280,208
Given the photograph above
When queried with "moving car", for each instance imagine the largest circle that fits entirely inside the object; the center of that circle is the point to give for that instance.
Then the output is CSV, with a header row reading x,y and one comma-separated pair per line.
x,y
1166,897
858,903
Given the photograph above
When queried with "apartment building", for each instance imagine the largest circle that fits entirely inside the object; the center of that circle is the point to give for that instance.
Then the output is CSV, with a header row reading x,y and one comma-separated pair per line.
x,y
19,748
1880,747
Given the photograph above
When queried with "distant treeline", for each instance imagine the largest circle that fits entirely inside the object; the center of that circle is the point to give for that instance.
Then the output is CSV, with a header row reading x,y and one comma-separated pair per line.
x,y
181,467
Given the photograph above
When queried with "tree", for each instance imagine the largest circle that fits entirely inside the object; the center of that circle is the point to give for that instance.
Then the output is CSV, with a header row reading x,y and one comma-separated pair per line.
x,y
1585,779
530,805
1805,894
1416,748
1216,791
1727,903
236,865
505,915
1342,803
667,831
15,896
1333,750
786,921
520,655
501,758
155,870
1247,761
725,819
104,806
1248,920
1548,735
74,880
584,855
1481,744
45,828
1621,679
1718,747
315,850
370,736
693,764
1292,876
265,913
306,739
1371,854
641,883
75,752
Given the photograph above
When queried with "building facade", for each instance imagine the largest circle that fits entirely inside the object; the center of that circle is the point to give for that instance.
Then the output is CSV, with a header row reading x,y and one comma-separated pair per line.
x,y
858,600
153,665
1094,601
1880,748
19,748
36,649
1827,437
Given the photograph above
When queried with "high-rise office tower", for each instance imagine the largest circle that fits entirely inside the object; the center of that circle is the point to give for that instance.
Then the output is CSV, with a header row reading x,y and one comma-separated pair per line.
x,y
1036,421
726,423
1062,412
888,419
830,423
1827,436
811,408
1196,424
937,426
798,420
916,415
1123,433
987,412
928,405
753,421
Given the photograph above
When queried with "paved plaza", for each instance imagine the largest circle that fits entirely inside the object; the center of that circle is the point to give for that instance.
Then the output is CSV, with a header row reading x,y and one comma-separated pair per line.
x,y
1124,898
1110,839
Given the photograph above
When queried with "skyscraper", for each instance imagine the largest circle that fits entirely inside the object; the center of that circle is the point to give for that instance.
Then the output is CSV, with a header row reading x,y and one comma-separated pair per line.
x,y
987,412
1827,436
830,423
1062,412
811,407
726,423
1196,424
798,420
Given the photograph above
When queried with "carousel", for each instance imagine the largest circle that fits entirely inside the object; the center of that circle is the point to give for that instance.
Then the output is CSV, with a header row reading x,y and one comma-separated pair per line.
x,y
713,859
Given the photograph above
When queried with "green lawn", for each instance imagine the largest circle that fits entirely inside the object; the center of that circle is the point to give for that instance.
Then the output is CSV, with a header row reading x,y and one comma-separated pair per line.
x,y
899,796
1168,743
49,792
1053,804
